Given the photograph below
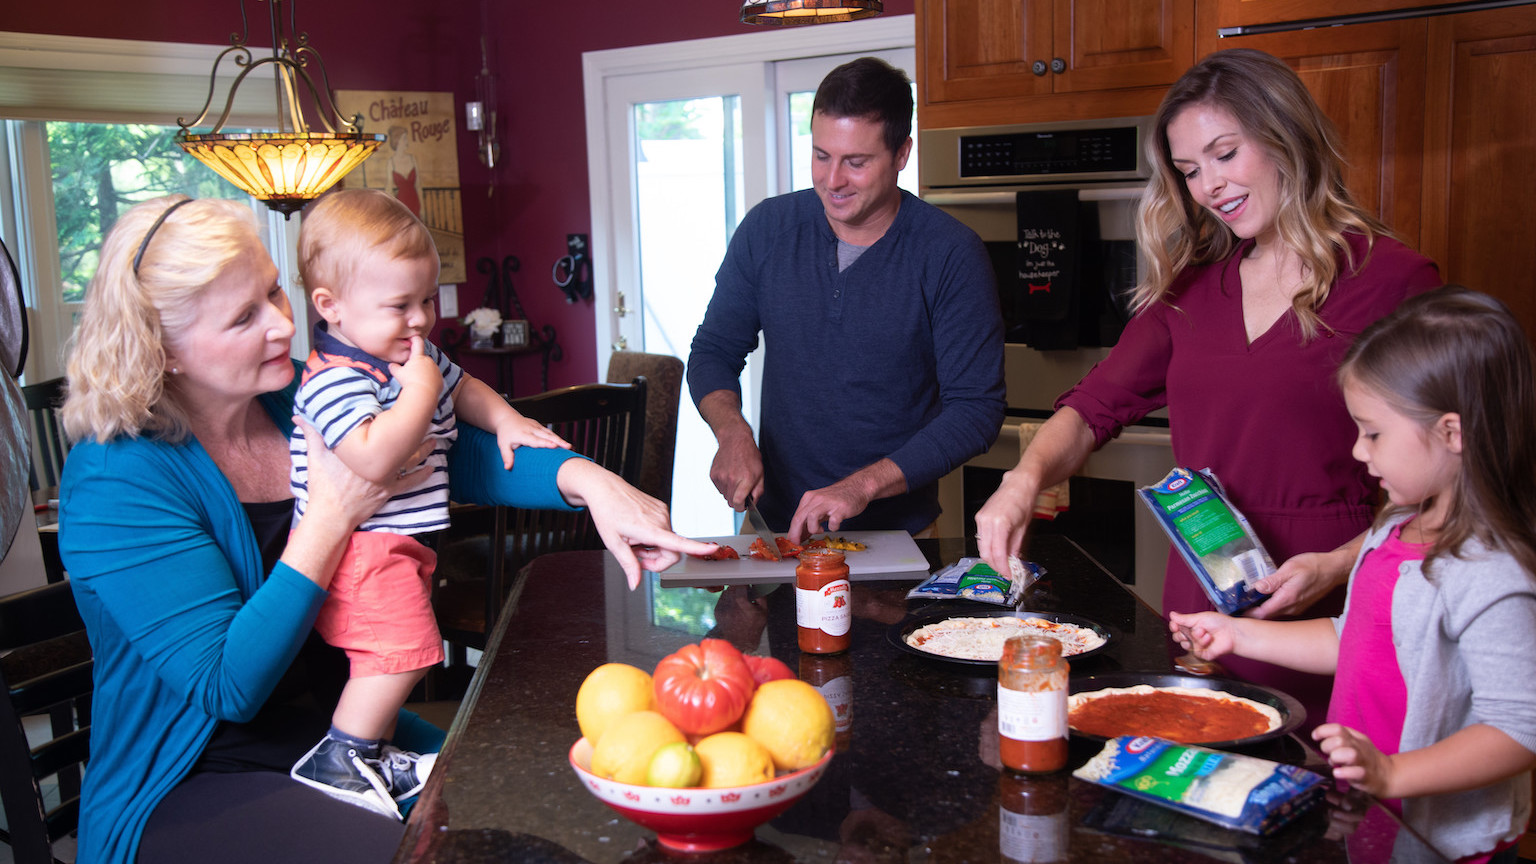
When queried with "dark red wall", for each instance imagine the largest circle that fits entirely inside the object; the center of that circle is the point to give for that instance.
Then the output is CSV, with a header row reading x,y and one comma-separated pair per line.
x,y
539,192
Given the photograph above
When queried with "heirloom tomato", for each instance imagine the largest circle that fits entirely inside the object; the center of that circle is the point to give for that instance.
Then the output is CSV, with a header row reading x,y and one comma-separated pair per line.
x,y
765,669
703,688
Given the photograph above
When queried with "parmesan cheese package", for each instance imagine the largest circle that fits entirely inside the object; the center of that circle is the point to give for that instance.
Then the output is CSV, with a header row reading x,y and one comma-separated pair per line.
x,y
1245,793
1212,536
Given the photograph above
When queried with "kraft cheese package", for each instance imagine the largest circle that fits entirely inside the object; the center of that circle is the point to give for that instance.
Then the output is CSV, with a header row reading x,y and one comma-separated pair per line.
x,y
972,579
1212,536
1233,790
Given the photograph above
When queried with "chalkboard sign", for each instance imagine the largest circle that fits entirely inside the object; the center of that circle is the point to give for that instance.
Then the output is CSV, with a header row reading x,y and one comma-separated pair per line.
x,y
1050,251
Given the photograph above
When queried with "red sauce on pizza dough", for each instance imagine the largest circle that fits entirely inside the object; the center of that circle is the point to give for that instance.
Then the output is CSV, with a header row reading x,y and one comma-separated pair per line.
x,y
1175,716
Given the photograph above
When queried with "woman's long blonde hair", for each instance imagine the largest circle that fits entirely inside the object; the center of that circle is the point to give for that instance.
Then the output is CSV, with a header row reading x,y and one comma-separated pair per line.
x,y
1316,210
116,368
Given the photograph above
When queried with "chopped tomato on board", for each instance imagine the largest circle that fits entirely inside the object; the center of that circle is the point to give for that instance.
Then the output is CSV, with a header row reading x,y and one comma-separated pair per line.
x,y
759,549
721,553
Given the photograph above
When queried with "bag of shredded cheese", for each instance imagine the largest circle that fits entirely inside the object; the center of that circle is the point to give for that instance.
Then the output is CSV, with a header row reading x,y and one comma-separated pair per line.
x,y
1212,536
972,579
1236,791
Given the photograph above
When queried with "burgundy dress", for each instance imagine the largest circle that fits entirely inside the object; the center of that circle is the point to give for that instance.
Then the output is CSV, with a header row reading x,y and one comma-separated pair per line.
x,y
1266,417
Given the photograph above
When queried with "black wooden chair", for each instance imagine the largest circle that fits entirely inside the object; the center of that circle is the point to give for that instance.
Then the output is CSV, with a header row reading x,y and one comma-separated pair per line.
x,y
487,546
45,670
49,446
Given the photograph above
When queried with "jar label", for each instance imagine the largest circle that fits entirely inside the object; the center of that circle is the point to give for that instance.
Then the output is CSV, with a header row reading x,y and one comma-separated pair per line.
x,y
839,694
1032,839
1031,716
826,608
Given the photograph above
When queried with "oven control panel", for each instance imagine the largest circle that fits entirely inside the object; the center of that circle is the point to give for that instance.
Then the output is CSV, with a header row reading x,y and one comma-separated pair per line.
x,y
1077,151
1033,154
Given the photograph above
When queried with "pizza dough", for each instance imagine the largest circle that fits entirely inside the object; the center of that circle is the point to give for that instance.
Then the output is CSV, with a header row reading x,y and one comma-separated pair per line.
x,y
983,638
1183,714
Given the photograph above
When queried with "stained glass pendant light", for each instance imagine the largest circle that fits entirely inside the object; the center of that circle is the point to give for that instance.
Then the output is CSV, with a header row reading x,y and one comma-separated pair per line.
x,y
790,13
291,165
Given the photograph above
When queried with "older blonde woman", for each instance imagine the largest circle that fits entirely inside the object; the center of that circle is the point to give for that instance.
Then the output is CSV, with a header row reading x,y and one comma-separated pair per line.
x,y
1261,269
198,600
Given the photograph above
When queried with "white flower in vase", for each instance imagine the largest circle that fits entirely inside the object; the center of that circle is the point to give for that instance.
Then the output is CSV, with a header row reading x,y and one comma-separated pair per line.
x,y
483,324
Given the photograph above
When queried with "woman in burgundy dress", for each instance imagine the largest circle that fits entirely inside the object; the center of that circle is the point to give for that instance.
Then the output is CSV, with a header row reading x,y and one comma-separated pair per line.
x,y
1261,269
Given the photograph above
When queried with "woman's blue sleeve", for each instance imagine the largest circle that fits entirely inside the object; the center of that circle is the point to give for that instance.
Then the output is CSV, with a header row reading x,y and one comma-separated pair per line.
x,y
476,475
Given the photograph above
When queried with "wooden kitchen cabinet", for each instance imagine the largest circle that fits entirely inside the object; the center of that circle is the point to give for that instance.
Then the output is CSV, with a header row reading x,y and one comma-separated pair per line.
x,y
1012,61
1234,13
1479,217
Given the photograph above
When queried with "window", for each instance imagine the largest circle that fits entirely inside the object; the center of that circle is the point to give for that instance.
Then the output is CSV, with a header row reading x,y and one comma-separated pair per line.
x,y
98,170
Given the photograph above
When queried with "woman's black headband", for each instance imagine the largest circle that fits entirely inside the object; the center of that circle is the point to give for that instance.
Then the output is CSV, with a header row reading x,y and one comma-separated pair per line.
x,y
151,233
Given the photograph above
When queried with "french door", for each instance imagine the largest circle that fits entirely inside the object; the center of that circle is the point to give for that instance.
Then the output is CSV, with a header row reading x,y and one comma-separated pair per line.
x,y
677,157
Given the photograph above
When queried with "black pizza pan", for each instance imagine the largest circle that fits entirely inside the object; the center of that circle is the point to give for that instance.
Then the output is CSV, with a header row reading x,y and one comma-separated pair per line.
x,y
1292,714
897,634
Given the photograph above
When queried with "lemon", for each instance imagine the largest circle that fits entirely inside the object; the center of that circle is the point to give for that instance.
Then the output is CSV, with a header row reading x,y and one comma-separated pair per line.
x,y
733,759
611,691
793,721
625,750
674,765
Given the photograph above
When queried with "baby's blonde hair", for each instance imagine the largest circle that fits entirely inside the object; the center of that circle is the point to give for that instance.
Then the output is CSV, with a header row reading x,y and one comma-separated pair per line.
x,y
343,226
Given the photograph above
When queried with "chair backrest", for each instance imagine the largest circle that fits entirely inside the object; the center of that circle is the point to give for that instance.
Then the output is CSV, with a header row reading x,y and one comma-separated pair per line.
x,y
45,671
605,422
48,444
663,390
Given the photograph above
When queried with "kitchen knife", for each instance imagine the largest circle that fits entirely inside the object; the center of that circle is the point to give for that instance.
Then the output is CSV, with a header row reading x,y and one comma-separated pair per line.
x,y
760,526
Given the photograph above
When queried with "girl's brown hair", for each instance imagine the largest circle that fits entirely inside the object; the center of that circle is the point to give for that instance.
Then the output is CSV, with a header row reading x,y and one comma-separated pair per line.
x,y
1457,351
1276,113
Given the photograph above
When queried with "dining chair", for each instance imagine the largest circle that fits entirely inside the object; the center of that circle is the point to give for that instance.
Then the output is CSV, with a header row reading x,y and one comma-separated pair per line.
x,y
45,670
49,445
486,547
663,375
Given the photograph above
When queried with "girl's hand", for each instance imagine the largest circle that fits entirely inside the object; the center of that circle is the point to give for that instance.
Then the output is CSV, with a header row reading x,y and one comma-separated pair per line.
x,y
1355,759
519,431
635,527
1207,635
1002,521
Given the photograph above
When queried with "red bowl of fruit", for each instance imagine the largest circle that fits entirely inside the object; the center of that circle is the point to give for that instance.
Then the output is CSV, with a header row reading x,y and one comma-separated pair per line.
x,y
696,819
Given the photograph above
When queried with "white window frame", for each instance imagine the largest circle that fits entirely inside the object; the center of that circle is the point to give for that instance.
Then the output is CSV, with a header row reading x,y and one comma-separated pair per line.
x,y
610,229
68,78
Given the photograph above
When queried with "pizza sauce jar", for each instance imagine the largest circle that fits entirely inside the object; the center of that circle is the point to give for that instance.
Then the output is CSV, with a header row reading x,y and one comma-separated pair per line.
x,y
1032,826
832,676
822,607
1032,704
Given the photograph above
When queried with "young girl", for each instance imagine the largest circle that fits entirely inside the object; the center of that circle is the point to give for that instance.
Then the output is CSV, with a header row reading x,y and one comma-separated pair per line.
x,y
1434,698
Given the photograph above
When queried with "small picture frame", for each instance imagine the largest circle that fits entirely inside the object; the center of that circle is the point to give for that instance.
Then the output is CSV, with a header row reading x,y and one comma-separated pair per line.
x,y
514,334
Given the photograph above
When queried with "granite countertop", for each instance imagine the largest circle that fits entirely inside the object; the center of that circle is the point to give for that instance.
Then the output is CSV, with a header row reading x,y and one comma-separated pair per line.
x,y
915,777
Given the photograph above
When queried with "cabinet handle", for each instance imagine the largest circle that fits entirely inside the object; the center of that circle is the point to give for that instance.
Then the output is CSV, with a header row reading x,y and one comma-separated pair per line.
x,y
1058,65
1038,67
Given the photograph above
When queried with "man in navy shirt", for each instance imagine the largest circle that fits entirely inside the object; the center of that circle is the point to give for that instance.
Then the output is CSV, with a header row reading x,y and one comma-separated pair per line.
x,y
883,340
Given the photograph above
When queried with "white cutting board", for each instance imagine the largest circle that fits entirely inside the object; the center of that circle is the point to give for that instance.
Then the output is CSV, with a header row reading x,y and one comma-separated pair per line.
x,y
891,554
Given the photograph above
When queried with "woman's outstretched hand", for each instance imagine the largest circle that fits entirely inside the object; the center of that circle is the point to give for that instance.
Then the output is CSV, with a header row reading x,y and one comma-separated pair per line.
x,y
635,527
1002,521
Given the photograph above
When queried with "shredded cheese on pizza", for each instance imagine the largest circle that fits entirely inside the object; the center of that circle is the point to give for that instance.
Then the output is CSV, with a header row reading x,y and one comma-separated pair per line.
x,y
983,638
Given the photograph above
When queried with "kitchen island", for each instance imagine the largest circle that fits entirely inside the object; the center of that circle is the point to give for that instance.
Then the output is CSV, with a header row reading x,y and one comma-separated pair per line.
x,y
915,777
